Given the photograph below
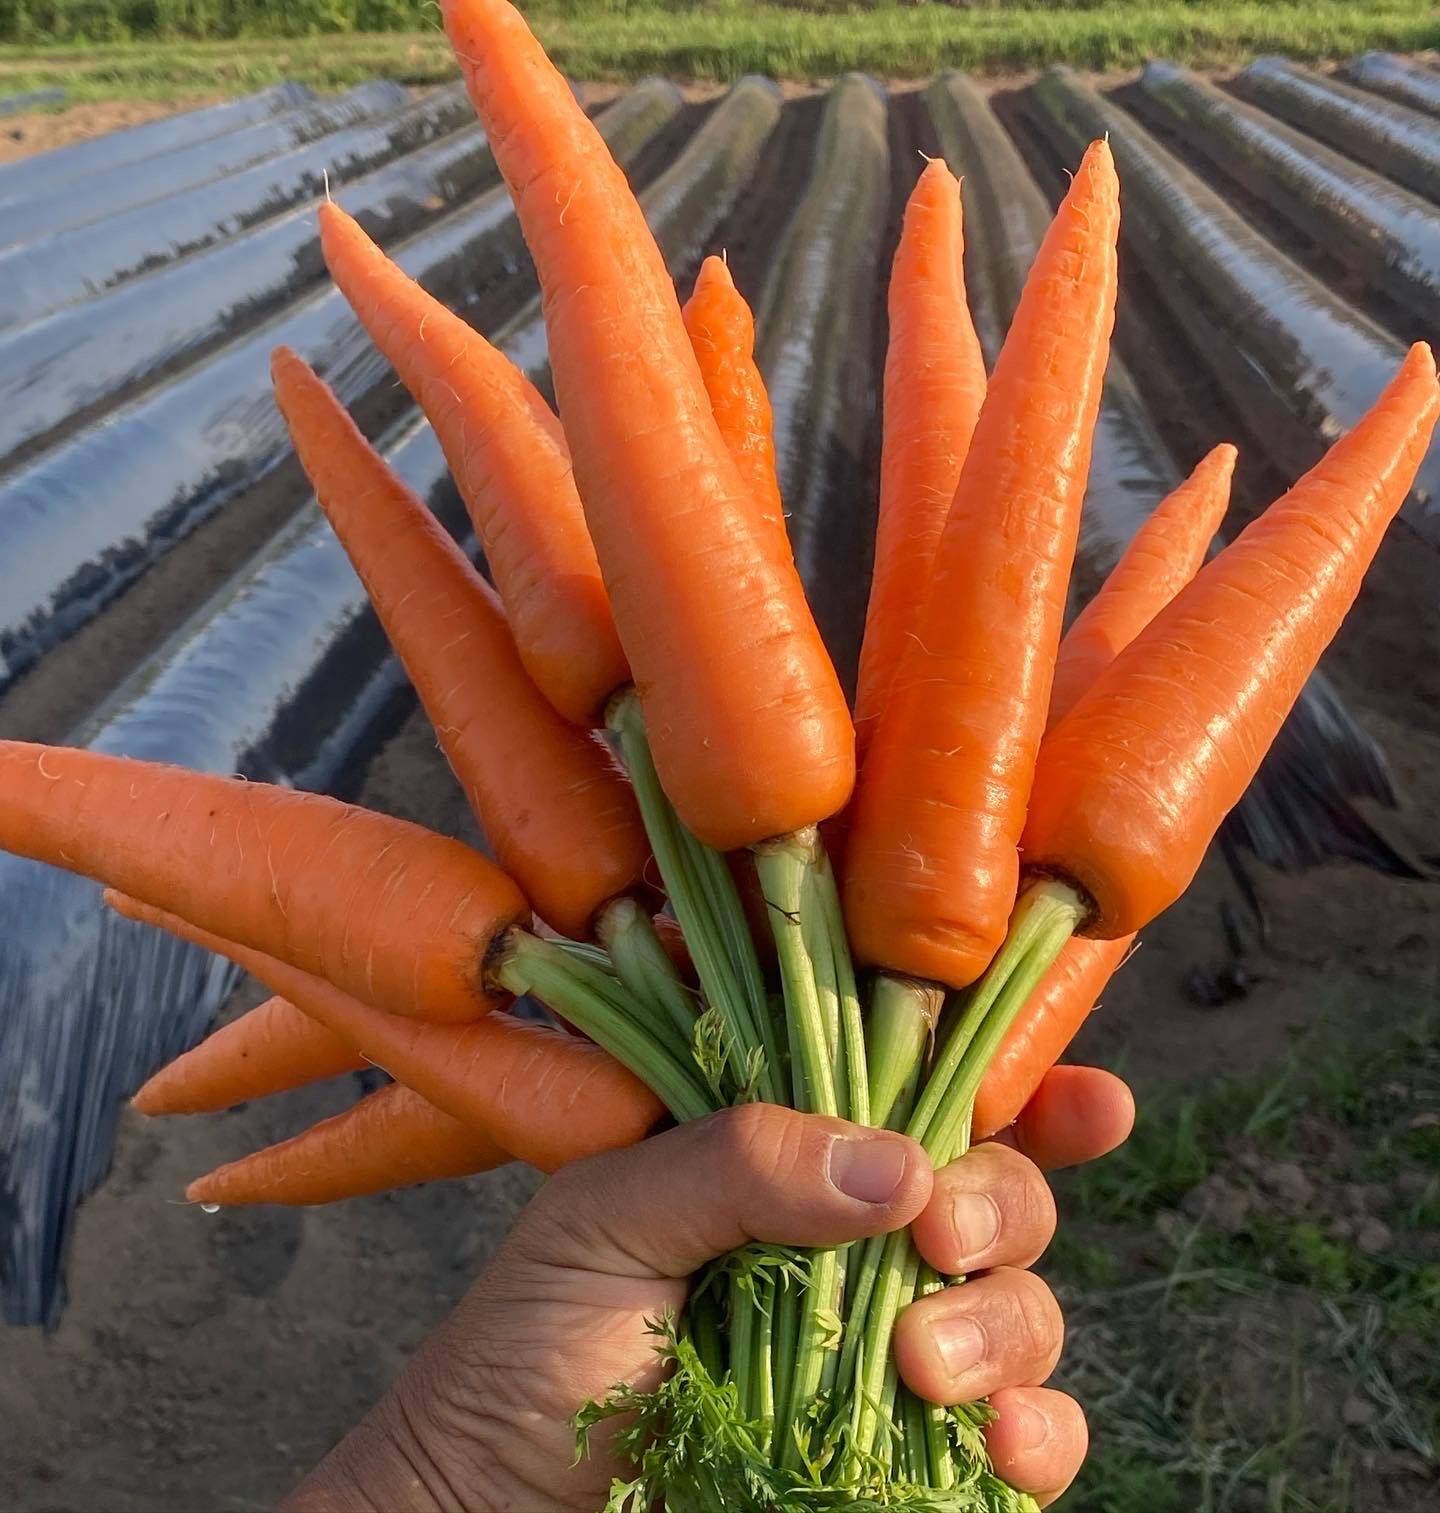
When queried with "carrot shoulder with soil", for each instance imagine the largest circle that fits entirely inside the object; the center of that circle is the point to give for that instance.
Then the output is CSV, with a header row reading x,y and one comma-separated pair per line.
x,y
643,717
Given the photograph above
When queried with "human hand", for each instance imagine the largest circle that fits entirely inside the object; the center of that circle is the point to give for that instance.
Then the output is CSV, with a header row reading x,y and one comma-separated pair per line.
x,y
481,1418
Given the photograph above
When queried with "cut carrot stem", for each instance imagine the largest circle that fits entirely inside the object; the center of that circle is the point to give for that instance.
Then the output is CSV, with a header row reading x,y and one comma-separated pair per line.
x,y
546,1096
1165,555
595,1002
270,1049
511,464
556,809
721,327
934,387
749,727
702,892
1045,917
644,966
902,1019
387,911
1048,1023
393,1138
1133,783
931,864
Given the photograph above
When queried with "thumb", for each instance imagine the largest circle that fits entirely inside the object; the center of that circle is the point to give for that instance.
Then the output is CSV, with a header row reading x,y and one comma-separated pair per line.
x,y
665,1207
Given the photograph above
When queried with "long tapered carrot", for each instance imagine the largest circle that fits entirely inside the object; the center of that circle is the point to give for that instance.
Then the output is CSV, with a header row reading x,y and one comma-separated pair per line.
x,y
1050,1020
1166,553
749,728
931,868
550,797
934,387
267,1050
385,909
1164,556
393,1138
510,463
546,1096
722,333
1133,783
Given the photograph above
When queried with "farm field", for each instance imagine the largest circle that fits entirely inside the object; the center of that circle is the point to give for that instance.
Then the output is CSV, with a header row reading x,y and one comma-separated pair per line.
x,y
1250,1281
102,49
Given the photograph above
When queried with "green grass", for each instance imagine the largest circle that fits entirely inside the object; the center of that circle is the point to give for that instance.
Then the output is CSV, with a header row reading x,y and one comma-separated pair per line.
x,y
1275,1363
604,39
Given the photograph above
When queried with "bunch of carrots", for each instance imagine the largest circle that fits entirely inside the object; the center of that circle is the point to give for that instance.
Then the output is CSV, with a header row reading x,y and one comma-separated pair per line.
x,y
643,695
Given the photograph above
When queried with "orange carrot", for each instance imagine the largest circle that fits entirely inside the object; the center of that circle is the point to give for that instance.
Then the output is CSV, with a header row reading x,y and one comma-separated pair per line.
x,y
934,387
545,1096
393,1138
511,465
931,867
749,727
268,1050
1166,553
1164,556
722,334
1133,783
1050,1020
550,797
384,909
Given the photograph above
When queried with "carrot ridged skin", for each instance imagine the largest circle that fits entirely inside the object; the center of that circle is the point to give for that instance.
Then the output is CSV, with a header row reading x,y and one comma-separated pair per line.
x,y
746,718
931,866
268,1050
393,1138
546,1096
1133,783
550,797
1050,1020
721,326
510,462
1165,555
384,909
934,387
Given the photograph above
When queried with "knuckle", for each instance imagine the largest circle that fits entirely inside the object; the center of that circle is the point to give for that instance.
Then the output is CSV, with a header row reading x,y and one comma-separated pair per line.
x,y
1035,1318
758,1143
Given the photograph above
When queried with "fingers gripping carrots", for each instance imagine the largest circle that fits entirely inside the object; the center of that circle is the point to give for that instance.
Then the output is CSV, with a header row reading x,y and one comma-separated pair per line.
x,y
545,1096
510,463
267,1050
934,386
722,334
549,796
387,911
1133,783
1164,556
749,728
393,1138
931,866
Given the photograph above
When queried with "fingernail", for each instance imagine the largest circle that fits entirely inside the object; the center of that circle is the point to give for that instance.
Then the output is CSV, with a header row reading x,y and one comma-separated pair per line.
x,y
1028,1426
976,1221
868,1169
959,1342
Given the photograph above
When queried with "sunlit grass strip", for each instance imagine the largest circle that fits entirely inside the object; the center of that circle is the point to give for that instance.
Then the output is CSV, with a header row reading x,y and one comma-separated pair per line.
x,y
595,39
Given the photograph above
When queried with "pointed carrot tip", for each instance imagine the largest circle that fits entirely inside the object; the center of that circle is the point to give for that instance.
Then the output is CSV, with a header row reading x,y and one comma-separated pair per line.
x,y
202,1189
1421,356
285,361
149,1099
714,270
